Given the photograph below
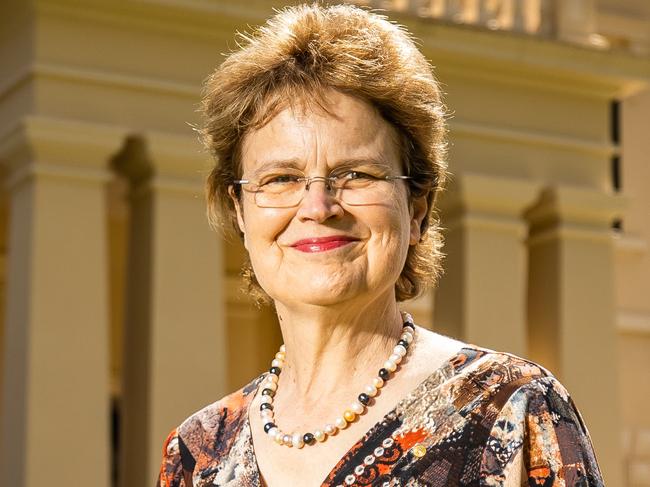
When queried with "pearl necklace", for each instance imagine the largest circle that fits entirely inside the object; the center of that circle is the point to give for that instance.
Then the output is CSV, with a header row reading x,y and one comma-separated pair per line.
x,y
357,408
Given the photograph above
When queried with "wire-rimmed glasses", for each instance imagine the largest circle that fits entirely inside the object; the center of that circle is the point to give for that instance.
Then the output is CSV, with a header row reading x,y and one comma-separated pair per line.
x,y
352,187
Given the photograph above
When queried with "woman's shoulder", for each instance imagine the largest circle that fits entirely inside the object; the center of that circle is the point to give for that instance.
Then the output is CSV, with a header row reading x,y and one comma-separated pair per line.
x,y
506,410
501,375
480,378
204,437
474,365
222,418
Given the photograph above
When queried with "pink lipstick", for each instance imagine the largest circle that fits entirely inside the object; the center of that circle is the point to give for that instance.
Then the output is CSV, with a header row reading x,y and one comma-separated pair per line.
x,y
321,244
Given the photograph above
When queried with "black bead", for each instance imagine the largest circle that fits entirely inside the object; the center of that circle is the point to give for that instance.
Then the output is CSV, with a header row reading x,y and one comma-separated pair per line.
x,y
403,343
409,325
275,370
266,405
268,392
384,374
308,438
364,399
268,426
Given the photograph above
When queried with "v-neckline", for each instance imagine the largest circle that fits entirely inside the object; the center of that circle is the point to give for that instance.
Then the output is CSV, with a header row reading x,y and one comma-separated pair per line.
x,y
434,379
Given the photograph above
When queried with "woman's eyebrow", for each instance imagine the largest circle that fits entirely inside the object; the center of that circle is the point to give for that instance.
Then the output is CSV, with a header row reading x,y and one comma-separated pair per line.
x,y
299,165
278,164
362,161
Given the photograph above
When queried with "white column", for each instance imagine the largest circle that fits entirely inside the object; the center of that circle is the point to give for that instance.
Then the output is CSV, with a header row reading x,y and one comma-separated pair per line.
x,y
575,20
56,346
481,298
571,310
175,335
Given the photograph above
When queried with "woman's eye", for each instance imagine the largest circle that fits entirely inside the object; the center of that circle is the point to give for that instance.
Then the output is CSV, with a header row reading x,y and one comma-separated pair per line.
x,y
355,175
278,179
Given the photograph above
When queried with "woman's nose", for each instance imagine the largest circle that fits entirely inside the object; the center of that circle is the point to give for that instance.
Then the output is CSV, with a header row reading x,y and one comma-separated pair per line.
x,y
319,201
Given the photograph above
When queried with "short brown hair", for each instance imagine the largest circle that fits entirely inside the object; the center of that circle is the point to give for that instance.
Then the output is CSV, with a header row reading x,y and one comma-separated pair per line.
x,y
299,54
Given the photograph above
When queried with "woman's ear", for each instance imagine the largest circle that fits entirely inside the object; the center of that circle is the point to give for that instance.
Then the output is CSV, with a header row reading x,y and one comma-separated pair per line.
x,y
418,211
238,211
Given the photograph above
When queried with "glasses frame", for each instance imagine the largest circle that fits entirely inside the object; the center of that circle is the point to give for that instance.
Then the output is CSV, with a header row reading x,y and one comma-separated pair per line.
x,y
330,183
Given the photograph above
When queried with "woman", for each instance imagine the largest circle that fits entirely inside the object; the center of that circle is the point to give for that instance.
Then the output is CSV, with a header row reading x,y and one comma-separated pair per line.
x,y
329,134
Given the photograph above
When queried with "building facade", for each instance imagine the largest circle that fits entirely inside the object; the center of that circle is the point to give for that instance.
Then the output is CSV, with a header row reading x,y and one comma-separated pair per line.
x,y
122,310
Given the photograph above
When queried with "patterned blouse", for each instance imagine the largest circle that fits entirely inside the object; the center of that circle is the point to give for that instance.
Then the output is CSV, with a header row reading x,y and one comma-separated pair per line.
x,y
482,419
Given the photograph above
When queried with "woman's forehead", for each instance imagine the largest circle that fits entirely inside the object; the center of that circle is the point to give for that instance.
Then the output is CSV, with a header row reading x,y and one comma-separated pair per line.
x,y
298,136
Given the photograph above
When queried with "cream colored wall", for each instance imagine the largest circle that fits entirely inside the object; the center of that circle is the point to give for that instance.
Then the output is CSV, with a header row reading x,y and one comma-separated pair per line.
x,y
633,289
530,203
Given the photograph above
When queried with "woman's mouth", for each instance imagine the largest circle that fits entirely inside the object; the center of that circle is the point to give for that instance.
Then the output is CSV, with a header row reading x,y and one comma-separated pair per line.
x,y
322,244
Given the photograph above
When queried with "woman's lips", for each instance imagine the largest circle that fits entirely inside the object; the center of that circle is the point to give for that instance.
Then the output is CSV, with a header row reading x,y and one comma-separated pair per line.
x,y
321,244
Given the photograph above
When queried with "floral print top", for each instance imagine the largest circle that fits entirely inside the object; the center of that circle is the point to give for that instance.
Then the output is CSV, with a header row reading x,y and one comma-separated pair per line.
x,y
482,419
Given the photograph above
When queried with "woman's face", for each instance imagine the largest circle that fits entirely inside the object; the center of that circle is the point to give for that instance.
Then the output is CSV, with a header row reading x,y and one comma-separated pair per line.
x,y
323,251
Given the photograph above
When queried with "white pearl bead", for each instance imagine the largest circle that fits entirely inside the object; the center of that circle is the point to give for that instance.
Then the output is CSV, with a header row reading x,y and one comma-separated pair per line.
x,y
395,358
371,390
378,382
356,407
277,363
266,414
297,440
340,422
407,337
266,399
270,385
330,429
273,432
272,378
319,435
283,348
390,365
287,440
399,350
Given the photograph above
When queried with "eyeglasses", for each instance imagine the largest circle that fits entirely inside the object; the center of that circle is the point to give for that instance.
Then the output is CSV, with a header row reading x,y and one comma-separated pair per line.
x,y
352,187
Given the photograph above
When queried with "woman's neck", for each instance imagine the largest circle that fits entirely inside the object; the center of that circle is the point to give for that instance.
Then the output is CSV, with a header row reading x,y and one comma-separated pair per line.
x,y
329,351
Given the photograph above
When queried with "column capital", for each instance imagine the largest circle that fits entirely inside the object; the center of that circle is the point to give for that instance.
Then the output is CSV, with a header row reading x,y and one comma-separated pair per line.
x,y
574,212
165,161
482,201
58,148
488,194
180,162
576,204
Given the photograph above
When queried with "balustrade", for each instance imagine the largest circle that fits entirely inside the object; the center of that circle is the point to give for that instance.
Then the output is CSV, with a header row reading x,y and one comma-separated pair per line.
x,y
564,20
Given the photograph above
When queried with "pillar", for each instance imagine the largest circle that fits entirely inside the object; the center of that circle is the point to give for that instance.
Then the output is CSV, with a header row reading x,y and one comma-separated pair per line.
x,y
481,298
576,21
56,365
175,339
571,313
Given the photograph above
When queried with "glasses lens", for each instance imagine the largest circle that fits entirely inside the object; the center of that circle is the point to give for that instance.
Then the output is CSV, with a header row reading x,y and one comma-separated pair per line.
x,y
356,192
368,192
288,196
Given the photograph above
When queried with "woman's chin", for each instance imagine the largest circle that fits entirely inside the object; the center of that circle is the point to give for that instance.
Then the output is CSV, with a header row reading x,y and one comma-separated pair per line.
x,y
319,293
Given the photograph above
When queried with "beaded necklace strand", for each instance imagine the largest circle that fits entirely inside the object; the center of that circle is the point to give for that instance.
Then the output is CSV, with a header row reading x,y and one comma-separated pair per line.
x,y
357,408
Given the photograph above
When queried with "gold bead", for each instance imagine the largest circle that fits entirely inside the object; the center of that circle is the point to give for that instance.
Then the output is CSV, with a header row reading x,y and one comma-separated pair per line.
x,y
419,450
349,415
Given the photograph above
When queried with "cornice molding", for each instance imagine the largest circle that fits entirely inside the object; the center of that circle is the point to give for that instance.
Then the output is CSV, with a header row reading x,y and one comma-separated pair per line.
x,y
198,19
98,77
534,61
459,128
